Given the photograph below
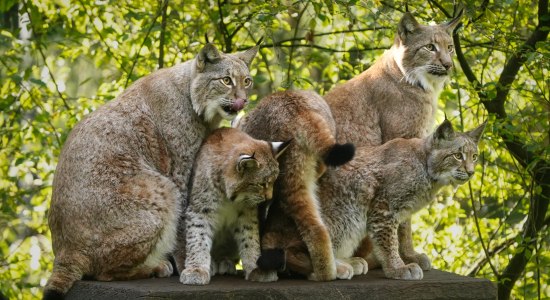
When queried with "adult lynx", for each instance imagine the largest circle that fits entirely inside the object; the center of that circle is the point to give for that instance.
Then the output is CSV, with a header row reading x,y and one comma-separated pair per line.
x,y
380,188
397,96
233,173
123,172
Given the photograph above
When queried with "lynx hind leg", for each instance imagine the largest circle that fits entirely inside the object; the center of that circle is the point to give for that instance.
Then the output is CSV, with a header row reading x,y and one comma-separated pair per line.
x,y
303,209
140,250
406,248
365,250
386,250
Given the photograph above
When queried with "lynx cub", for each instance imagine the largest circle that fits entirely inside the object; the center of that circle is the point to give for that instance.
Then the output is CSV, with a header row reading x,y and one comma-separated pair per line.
x,y
123,172
233,173
380,188
304,117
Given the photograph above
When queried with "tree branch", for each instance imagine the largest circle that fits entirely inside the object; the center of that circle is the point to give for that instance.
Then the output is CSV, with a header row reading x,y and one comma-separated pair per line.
x,y
162,33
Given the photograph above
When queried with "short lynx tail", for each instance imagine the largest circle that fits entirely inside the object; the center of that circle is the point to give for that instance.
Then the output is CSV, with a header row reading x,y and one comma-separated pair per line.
x,y
339,154
62,279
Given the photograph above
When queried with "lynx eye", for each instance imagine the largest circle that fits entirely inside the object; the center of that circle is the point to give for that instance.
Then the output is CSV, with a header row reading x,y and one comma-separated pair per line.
x,y
451,48
227,81
474,157
457,156
430,47
247,82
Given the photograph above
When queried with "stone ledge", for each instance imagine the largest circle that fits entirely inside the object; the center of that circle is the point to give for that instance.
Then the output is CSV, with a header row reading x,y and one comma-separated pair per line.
x,y
435,285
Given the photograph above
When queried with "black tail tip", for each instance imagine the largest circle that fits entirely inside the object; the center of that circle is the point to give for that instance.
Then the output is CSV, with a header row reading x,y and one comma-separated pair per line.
x,y
53,295
272,259
340,154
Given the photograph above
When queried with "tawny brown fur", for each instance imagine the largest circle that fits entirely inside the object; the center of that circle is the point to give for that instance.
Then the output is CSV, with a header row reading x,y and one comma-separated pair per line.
x,y
380,189
396,97
232,174
305,118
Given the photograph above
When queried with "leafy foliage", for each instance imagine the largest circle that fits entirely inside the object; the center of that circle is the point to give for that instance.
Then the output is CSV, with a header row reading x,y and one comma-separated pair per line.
x,y
60,60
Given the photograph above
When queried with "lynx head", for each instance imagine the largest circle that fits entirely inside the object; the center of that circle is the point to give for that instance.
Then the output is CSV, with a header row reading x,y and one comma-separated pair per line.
x,y
453,155
249,166
424,53
221,83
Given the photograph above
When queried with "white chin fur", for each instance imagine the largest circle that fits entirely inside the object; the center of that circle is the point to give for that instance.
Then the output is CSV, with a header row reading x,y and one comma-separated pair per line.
x,y
214,110
419,75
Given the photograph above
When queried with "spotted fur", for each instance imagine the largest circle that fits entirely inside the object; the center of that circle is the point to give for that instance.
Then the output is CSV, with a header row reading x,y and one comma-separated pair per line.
x,y
233,173
305,118
380,189
123,173
397,96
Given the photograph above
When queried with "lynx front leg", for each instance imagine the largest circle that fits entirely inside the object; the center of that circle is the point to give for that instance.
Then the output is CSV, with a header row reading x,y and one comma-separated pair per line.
x,y
384,234
406,248
248,238
198,245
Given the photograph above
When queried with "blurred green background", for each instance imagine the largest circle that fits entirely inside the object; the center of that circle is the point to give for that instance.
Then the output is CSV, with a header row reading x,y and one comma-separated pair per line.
x,y
60,60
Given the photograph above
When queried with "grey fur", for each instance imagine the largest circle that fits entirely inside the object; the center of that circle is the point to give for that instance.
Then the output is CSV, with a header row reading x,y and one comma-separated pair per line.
x,y
122,176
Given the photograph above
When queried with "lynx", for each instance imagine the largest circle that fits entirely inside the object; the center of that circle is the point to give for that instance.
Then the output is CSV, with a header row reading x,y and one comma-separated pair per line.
x,y
397,96
122,176
305,118
233,173
379,189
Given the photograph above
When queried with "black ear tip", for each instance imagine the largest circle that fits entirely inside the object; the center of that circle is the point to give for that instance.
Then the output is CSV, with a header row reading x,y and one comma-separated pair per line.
x,y
53,295
271,259
340,154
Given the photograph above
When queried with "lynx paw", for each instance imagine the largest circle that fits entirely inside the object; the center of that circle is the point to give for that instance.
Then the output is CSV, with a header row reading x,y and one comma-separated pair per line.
x,y
262,276
359,264
421,259
195,276
343,270
227,266
325,275
411,271
164,269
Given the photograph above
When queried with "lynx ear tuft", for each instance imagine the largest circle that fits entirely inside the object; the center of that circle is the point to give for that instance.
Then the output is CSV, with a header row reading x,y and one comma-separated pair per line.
x,y
407,25
451,25
444,131
278,148
208,54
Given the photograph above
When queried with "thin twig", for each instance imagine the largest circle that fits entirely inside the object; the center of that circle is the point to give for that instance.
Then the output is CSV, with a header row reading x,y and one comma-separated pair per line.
x,y
39,48
159,12
162,33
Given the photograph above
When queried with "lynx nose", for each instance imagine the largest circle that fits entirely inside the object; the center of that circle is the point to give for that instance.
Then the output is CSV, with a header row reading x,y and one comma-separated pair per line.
x,y
447,65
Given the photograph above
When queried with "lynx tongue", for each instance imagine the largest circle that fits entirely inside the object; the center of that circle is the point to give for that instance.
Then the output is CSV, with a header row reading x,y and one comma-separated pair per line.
x,y
237,105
